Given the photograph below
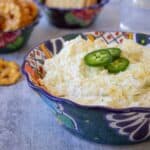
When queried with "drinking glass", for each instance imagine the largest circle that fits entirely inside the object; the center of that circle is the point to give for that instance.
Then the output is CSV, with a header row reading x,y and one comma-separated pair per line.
x,y
135,15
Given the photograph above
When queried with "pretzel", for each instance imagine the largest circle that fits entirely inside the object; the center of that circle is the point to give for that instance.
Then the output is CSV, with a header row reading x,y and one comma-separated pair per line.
x,y
29,12
9,72
11,14
15,14
90,2
70,3
2,23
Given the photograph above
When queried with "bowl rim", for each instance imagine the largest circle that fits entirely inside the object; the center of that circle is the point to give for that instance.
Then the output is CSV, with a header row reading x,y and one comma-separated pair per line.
x,y
70,102
33,23
98,5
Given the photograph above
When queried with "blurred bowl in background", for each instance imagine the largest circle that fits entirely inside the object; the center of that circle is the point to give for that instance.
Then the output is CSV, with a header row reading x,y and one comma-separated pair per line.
x,y
14,40
73,17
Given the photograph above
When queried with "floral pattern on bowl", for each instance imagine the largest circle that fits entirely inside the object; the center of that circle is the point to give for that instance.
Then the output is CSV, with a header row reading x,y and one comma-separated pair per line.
x,y
81,18
134,125
94,123
6,38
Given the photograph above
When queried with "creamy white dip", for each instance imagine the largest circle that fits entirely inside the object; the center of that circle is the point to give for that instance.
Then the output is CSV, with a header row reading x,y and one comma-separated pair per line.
x,y
69,77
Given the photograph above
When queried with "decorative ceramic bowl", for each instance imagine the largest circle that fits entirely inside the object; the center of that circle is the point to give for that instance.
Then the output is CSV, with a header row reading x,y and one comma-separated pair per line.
x,y
95,123
73,18
14,40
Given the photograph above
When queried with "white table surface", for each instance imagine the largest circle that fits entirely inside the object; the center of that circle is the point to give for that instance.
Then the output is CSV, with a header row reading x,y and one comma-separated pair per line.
x,y
26,122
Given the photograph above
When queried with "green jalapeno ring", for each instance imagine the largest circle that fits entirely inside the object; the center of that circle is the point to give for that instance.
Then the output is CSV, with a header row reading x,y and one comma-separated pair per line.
x,y
115,52
118,65
97,58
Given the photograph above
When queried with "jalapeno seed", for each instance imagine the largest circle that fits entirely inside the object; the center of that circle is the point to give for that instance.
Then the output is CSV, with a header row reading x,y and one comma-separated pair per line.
x,y
98,58
118,65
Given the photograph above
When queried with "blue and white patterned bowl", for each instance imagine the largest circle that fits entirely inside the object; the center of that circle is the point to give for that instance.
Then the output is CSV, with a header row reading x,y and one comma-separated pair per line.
x,y
95,123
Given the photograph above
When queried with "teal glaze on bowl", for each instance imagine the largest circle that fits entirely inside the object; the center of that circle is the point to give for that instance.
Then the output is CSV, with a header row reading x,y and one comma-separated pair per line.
x,y
102,126
15,40
73,17
94,123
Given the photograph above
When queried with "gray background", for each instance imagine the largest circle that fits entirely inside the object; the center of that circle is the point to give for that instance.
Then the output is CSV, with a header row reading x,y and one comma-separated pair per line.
x,y
26,122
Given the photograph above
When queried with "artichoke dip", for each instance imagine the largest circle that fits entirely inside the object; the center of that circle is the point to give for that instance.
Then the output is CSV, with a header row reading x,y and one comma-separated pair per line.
x,y
85,72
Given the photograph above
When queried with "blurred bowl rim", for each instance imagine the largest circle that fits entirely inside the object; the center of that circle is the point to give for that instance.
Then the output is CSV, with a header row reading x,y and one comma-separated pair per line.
x,y
98,5
68,101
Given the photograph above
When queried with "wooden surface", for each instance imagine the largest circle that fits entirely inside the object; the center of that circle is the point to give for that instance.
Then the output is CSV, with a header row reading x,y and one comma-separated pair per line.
x,y
26,122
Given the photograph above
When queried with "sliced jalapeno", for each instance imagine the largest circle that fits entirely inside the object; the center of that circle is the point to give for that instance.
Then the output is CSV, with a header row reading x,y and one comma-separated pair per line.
x,y
98,58
118,65
115,52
